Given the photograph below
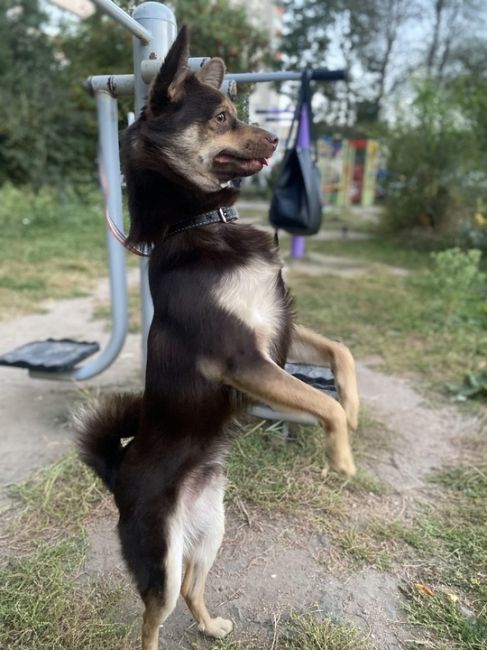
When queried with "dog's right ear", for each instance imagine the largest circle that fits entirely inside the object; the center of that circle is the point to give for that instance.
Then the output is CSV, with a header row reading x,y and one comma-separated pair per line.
x,y
168,86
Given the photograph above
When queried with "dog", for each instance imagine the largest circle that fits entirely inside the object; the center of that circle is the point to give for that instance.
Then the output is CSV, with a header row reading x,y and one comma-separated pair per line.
x,y
222,330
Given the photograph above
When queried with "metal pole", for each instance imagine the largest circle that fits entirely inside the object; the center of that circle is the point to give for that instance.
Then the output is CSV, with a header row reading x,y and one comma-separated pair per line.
x,y
110,169
109,160
160,21
123,84
119,15
319,74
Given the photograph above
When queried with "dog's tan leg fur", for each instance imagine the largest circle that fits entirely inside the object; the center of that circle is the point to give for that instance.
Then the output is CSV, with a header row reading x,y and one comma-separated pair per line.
x,y
309,347
264,380
153,617
193,593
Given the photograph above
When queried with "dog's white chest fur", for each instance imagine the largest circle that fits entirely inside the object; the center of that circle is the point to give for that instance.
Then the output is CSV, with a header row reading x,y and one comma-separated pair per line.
x,y
251,294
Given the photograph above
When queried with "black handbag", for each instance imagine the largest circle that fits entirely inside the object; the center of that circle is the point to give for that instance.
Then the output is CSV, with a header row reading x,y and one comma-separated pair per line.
x,y
296,201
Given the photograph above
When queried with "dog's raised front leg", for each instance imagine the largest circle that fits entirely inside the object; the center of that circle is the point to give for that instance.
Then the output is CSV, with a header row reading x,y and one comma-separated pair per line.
x,y
311,348
262,379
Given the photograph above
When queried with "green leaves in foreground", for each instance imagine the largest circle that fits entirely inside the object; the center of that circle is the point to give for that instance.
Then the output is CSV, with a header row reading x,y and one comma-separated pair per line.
x,y
474,386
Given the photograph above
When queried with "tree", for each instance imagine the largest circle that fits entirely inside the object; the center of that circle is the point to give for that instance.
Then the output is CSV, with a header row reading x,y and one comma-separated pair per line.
x,y
39,130
48,127
453,23
383,44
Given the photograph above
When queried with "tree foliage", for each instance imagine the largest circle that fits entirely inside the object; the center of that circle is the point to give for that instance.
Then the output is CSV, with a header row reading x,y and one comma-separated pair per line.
x,y
383,44
40,126
436,163
48,127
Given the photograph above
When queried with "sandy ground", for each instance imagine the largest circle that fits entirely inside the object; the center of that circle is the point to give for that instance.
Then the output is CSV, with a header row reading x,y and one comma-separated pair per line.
x,y
264,569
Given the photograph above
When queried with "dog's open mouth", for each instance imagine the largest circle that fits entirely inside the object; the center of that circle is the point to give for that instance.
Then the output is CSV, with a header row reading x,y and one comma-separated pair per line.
x,y
230,164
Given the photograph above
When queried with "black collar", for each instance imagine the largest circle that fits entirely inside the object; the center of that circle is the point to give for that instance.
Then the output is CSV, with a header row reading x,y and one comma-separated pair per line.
x,y
222,215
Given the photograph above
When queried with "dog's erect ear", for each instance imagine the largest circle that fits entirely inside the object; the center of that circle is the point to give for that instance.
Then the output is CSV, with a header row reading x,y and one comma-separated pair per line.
x,y
168,85
212,73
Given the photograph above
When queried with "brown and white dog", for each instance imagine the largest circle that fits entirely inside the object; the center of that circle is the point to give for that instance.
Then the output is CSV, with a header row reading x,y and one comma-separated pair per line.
x,y
222,330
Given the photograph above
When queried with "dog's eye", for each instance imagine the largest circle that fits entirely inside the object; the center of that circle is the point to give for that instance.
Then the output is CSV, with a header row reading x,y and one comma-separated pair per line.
x,y
221,117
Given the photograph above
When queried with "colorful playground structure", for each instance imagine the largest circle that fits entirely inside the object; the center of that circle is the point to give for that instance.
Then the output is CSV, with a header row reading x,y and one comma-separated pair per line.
x,y
349,171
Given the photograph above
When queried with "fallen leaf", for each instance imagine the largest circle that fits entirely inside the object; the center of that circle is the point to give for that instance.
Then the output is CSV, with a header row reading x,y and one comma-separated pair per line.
x,y
426,591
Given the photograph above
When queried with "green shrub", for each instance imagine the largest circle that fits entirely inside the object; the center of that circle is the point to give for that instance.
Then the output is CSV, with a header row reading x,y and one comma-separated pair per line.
x,y
436,171
456,282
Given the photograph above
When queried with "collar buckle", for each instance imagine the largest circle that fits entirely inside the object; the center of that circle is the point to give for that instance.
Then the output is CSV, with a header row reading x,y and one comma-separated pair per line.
x,y
221,214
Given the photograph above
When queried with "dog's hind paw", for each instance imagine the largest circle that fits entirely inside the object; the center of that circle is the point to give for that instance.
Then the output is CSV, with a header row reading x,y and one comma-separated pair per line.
x,y
217,627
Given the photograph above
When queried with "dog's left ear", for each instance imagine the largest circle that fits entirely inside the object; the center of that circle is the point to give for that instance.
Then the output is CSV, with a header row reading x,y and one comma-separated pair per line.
x,y
168,86
212,73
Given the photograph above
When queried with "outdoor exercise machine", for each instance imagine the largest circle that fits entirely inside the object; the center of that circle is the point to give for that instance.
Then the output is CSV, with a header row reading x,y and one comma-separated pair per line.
x,y
153,27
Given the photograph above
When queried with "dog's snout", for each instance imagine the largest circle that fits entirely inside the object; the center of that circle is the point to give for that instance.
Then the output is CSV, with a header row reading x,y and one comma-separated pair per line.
x,y
272,138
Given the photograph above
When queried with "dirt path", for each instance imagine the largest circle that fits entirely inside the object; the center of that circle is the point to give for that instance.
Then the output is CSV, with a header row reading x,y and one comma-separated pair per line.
x,y
271,566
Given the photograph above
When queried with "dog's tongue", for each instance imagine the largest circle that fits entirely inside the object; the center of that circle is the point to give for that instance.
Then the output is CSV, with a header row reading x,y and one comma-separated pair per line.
x,y
265,162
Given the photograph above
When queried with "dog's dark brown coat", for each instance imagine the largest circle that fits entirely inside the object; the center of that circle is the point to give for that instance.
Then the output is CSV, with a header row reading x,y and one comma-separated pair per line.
x,y
222,327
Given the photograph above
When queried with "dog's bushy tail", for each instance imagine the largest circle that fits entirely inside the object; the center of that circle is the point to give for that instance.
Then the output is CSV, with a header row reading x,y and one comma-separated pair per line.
x,y
101,425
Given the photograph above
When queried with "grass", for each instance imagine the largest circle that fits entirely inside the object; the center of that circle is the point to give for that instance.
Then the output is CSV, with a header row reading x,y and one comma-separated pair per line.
x,y
57,500
446,543
270,474
266,472
444,623
383,251
52,246
302,632
381,314
44,603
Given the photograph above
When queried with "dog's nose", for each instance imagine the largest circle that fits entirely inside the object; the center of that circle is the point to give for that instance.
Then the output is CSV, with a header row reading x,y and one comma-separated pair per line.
x,y
272,138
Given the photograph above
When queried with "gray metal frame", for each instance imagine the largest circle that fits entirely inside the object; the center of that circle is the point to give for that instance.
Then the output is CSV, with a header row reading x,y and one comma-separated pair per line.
x,y
153,26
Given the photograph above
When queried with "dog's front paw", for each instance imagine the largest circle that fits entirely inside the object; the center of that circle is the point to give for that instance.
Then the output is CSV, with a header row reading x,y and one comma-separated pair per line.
x,y
343,463
217,627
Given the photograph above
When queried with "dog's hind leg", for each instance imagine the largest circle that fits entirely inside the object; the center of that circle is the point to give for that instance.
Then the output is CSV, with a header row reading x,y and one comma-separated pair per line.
x,y
160,600
262,379
309,347
199,564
